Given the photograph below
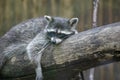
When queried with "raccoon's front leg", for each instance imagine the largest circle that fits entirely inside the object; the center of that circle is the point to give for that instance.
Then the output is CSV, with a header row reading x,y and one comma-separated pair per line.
x,y
35,57
35,50
38,70
39,75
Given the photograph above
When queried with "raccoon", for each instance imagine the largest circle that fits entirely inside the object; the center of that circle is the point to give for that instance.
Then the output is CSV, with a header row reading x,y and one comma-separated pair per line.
x,y
59,29
56,30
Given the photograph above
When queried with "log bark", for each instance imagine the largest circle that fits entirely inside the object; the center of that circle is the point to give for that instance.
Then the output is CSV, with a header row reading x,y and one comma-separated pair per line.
x,y
83,51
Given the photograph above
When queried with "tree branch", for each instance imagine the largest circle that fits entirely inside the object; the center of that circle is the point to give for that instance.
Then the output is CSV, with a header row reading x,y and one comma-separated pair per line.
x,y
83,51
93,46
88,49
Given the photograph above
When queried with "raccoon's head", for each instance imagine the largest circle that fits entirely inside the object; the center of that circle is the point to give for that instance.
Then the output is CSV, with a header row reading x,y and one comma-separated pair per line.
x,y
58,29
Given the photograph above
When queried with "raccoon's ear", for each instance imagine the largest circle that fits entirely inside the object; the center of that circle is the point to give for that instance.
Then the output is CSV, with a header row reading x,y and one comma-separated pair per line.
x,y
48,18
73,22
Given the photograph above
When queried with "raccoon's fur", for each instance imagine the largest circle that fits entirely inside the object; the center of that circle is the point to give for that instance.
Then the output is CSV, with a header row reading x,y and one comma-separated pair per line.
x,y
31,36
18,37
56,30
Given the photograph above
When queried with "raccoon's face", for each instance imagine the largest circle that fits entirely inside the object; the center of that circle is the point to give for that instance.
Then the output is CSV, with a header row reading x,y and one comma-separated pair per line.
x,y
59,29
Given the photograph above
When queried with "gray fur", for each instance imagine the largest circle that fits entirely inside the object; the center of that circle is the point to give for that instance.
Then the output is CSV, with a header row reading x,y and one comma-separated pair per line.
x,y
31,36
61,27
56,25
18,37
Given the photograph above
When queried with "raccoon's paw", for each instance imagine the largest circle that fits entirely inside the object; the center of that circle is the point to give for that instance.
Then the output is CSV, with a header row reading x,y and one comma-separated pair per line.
x,y
39,78
39,75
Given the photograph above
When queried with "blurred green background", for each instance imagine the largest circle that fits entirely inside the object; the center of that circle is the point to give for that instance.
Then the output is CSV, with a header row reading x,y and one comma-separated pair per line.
x,y
13,12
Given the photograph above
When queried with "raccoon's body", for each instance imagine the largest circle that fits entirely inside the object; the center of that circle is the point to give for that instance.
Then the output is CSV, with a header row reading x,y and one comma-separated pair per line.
x,y
56,30
18,37
31,36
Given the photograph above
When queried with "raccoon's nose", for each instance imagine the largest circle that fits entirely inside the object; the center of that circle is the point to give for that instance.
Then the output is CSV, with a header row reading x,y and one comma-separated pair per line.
x,y
53,40
56,40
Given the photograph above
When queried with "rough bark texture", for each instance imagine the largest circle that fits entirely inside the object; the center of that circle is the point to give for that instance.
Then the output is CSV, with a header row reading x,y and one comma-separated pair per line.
x,y
83,51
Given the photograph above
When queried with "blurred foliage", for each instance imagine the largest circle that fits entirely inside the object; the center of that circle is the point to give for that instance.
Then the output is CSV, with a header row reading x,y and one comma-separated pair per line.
x,y
15,11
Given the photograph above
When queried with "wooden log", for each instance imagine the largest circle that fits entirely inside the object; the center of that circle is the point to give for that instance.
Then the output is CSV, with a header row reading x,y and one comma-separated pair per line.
x,y
83,51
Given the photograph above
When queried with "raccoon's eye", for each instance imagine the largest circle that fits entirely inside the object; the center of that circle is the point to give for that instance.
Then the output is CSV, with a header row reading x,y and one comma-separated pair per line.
x,y
51,34
61,35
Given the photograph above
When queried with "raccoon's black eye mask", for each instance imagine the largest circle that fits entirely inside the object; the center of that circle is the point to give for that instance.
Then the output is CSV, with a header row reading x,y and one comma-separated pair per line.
x,y
60,35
